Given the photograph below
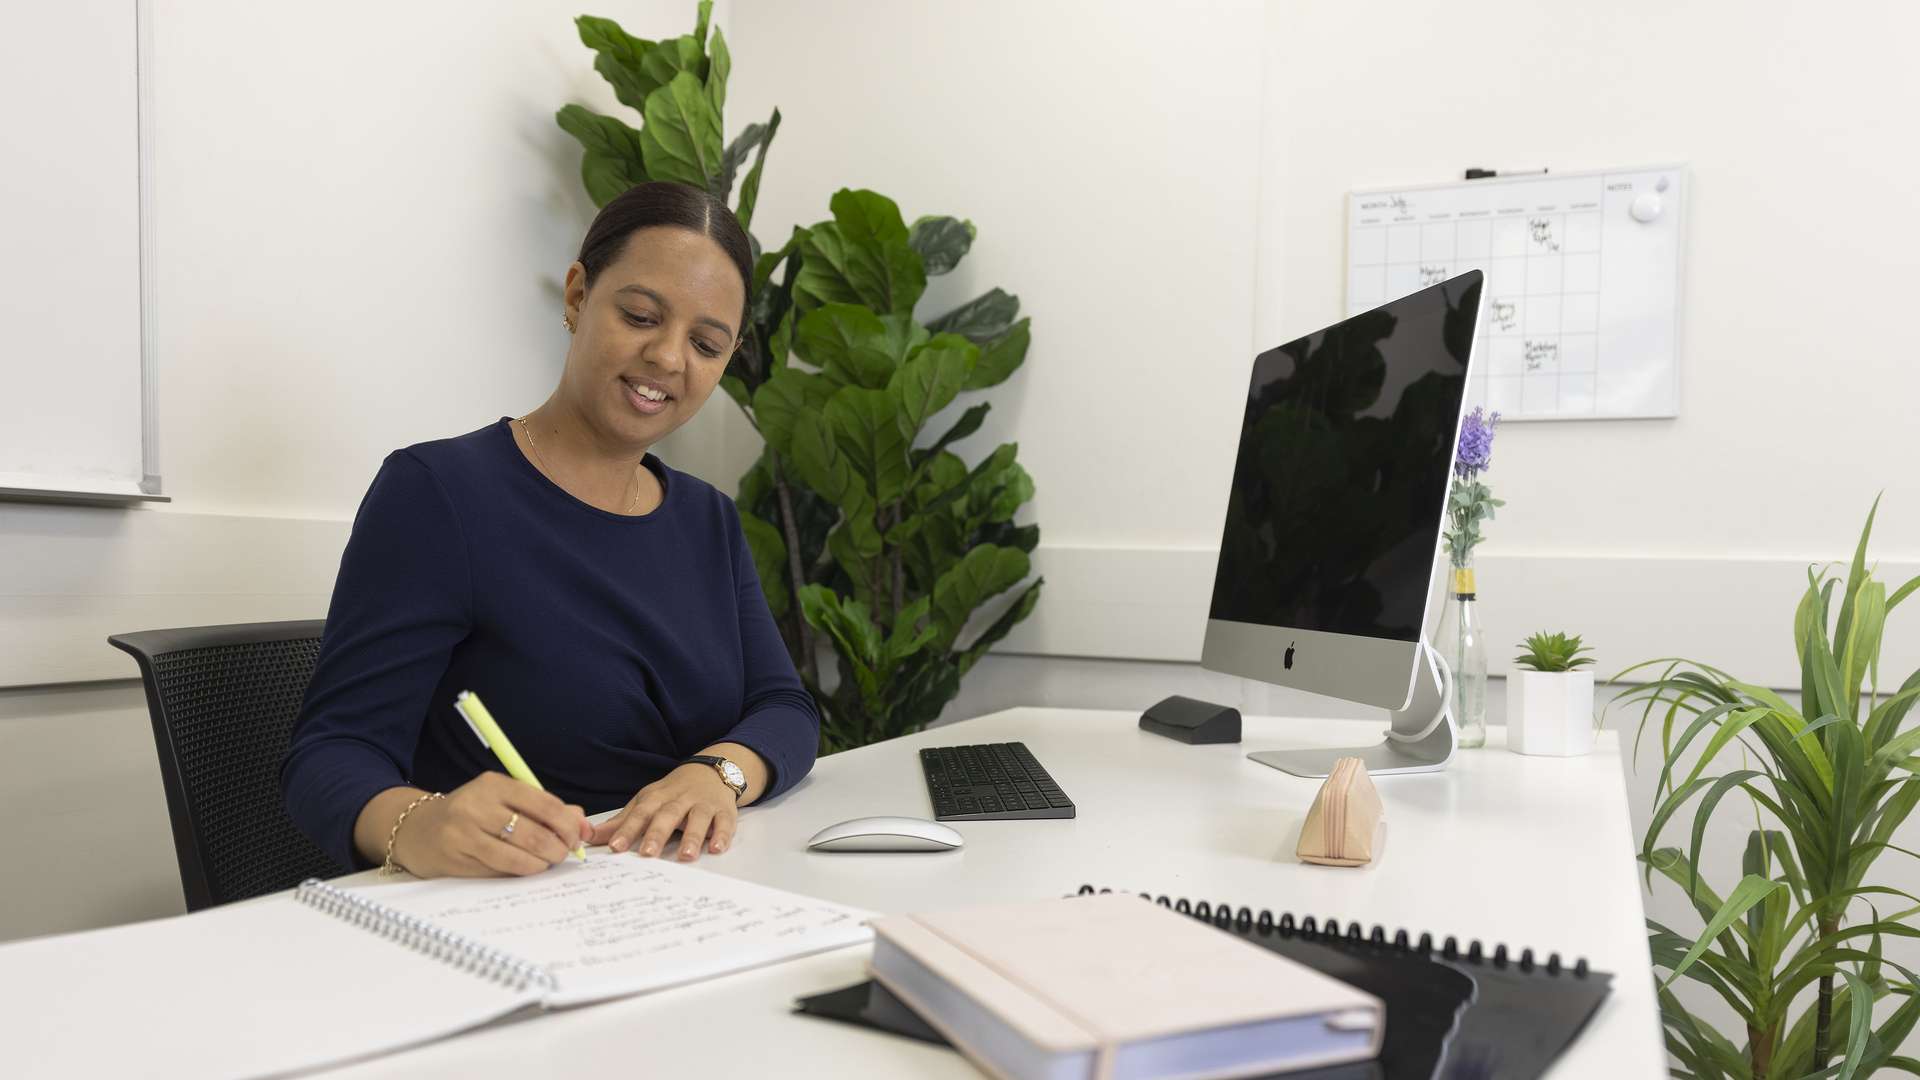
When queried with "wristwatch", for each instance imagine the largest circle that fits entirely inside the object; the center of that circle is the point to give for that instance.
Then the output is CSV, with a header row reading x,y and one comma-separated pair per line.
x,y
730,773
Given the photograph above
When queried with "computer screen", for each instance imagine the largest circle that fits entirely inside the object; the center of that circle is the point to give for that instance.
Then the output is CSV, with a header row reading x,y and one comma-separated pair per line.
x,y
1342,470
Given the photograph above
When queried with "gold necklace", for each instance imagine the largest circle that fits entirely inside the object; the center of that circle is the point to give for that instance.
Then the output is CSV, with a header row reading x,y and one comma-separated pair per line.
x,y
545,468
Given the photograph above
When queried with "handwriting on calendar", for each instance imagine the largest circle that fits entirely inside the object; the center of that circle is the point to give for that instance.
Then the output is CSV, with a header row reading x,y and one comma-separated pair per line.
x,y
1542,230
1506,315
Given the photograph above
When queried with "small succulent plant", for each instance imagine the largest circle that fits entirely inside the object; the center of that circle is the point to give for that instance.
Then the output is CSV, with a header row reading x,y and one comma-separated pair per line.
x,y
1553,652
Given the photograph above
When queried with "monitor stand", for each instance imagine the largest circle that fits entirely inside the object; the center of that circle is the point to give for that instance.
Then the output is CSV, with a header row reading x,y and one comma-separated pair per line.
x,y
1421,739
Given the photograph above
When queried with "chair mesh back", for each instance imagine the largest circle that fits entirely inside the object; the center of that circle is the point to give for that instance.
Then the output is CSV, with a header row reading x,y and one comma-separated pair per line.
x,y
230,710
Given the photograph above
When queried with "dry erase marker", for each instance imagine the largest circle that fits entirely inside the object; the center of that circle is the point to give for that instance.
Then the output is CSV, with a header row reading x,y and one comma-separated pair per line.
x,y
491,737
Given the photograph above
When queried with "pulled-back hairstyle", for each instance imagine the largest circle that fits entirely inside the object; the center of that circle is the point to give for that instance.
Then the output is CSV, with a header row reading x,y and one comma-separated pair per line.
x,y
664,202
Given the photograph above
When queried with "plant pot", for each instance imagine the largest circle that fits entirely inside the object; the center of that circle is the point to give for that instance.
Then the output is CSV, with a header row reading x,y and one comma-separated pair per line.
x,y
1550,713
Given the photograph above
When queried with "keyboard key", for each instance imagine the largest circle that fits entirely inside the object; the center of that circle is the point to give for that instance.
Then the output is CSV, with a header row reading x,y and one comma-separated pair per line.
x,y
989,805
1059,800
1035,802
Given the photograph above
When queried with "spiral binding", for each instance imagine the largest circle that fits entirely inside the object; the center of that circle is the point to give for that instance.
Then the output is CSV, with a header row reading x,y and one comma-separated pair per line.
x,y
1245,921
422,936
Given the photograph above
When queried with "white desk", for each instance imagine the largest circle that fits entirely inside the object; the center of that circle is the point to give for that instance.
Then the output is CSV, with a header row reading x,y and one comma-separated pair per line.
x,y
1534,852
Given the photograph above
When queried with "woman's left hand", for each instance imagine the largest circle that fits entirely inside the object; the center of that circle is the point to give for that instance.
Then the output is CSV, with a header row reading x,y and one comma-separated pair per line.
x,y
692,799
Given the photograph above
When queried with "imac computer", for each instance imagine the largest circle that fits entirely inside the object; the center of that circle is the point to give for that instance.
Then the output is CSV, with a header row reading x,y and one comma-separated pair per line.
x,y
1333,524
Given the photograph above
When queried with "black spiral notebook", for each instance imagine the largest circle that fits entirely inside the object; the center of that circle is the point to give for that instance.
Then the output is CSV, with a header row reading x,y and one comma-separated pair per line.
x,y
1453,1013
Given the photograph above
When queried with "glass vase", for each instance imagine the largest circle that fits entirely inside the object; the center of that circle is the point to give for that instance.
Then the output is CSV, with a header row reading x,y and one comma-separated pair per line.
x,y
1463,642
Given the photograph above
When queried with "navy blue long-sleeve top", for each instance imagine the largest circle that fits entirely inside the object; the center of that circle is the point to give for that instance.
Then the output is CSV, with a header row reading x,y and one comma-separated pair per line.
x,y
608,647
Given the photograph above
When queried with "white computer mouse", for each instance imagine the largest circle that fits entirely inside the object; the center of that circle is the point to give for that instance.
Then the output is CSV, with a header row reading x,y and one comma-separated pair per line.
x,y
886,834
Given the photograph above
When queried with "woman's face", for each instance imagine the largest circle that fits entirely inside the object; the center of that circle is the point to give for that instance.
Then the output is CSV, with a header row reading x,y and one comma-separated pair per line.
x,y
652,337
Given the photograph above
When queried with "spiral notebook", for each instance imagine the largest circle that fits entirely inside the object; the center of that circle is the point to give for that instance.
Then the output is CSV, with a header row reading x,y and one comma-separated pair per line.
x,y
1453,1012
331,974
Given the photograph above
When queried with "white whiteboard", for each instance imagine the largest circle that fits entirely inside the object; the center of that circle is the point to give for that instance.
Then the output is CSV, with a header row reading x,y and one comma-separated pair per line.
x,y
75,390
1582,305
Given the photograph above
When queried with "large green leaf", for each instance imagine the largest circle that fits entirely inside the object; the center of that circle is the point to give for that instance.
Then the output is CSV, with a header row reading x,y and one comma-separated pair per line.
x,y
855,548
1885,718
934,683
911,630
1016,612
930,379
1007,534
817,461
681,140
617,57
862,256
666,61
968,423
615,159
1671,864
768,262
769,560
1856,576
819,464
852,629
866,426
1003,356
750,187
903,336
1710,969
984,572
997,487
1751,890
1860,652
787,395
719,66
980,319
1013,490
734,156
848,342
941,241
940,478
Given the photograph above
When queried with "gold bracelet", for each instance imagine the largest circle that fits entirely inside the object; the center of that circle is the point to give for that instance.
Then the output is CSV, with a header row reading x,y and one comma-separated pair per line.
x,y
390,867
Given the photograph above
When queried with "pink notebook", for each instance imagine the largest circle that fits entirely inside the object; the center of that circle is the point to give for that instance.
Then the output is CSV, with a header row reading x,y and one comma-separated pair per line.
x,y
1116,988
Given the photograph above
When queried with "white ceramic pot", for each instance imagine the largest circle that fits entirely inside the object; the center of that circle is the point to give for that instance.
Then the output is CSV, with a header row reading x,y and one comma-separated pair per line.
x,y
1550,713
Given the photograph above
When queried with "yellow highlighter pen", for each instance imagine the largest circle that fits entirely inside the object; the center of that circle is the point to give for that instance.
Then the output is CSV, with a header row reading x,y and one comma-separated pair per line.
x,y
484,726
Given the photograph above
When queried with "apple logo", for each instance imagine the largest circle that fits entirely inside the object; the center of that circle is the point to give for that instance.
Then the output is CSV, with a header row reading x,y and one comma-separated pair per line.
x,y
1286,661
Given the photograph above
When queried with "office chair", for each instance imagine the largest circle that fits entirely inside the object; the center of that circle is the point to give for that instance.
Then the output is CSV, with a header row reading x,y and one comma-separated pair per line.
x,y
223,701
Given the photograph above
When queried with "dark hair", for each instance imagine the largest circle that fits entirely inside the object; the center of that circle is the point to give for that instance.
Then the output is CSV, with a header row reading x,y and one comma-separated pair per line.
x,y
664,202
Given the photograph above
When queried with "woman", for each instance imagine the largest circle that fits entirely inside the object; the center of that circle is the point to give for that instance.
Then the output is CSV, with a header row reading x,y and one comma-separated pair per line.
x,y
604,606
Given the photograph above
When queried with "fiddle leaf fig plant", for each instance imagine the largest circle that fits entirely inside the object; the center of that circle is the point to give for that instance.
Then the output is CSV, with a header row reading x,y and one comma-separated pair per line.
x,y
882,539
874,540
1796,947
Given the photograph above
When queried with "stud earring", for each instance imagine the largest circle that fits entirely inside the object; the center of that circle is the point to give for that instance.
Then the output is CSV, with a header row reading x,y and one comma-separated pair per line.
x,y
566,320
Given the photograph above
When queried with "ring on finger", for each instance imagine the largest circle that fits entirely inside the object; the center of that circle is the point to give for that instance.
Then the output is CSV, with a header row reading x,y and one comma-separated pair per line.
x,y
507,833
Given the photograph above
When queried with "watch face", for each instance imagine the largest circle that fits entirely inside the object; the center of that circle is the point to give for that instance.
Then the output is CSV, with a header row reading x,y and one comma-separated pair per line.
x,y
733,775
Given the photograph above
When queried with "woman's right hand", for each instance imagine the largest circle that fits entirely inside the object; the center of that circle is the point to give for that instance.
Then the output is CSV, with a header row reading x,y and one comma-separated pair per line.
x,y
464,834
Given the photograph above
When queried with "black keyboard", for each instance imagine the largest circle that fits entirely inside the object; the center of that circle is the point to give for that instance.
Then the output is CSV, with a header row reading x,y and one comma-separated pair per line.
x,y
991,782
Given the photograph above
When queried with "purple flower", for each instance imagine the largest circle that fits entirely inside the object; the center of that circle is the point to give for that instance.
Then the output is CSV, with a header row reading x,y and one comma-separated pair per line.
x,y
1476,443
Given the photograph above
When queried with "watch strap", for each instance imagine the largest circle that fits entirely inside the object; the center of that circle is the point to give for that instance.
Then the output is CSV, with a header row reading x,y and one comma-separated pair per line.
x,y
719,764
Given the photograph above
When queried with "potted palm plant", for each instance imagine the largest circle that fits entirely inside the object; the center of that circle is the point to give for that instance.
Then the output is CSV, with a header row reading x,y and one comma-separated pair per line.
x,y
1795,949
1550,697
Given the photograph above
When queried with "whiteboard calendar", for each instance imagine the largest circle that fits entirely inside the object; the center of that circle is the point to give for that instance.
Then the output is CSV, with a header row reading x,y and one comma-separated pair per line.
x,y
1580,315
